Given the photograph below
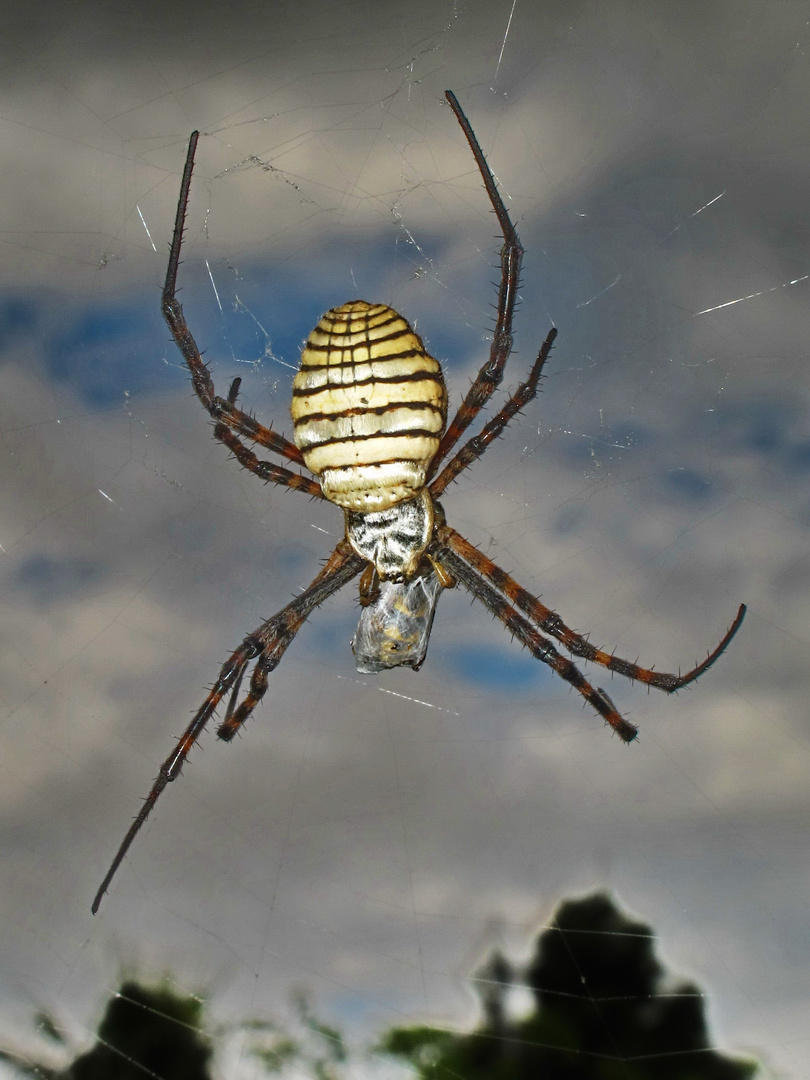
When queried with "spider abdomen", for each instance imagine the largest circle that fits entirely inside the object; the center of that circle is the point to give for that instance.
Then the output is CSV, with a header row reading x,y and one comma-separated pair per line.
x,y
369,407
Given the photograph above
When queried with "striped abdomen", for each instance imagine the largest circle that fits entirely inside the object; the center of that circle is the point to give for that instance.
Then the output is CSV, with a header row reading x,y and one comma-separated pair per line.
x,y
369,407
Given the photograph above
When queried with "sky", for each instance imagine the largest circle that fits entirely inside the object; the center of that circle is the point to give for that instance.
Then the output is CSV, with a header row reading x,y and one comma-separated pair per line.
x,y
369,838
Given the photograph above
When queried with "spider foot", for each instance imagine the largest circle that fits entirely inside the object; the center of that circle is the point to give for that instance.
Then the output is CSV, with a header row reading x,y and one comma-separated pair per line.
x,y
626,731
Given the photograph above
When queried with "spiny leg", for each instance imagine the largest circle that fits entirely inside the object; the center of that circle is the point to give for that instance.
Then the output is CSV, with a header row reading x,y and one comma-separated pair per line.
x,y
551,623
278,632
491,373
270,640
230,673
248,426
220,409
266,470
538,646
479,443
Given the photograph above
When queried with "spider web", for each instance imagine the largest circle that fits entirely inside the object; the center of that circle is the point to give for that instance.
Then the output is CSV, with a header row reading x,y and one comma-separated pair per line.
x,y
371,837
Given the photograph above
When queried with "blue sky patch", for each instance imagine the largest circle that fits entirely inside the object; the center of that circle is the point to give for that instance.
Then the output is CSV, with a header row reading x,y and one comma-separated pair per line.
x,y
798,456
112,350
687,483
494,668
47,580
16,316
570,519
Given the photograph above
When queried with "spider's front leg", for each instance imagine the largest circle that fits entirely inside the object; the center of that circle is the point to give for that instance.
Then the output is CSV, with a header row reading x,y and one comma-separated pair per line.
x,y
551,623
230,675
268,643
538,646
278,632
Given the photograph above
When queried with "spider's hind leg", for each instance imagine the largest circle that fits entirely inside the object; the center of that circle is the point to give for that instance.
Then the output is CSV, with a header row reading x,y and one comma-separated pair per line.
x,y
233,393
265,470
222,410
475,447
491,373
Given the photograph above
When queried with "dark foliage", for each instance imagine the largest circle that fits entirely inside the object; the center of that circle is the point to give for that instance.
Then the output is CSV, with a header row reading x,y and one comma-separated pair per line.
x,y
147,1030
603,1008
602,1012
155,1031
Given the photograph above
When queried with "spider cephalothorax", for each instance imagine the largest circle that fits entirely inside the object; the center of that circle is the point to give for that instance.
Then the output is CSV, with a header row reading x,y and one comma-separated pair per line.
x,y
370,409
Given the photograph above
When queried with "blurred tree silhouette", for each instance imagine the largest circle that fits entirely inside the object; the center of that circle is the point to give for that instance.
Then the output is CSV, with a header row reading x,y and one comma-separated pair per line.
x,y
154,1031
147,1028
603,1010
320,1053
145,1031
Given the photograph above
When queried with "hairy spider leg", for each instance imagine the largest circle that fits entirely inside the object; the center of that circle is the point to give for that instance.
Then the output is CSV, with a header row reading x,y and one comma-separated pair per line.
x,y
279,631
491,373
223,410
270,640
551,623
449,551
266,470
476,446
538,646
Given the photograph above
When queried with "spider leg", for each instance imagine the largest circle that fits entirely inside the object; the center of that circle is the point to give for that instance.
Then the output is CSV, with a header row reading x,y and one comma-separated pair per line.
x,y
266,470
278,632
222,410
233,699
551,623
478,444
491,372
538,646
268,644
236,716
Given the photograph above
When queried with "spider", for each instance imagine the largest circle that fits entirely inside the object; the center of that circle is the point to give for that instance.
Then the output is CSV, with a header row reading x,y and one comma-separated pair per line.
x,y
370,413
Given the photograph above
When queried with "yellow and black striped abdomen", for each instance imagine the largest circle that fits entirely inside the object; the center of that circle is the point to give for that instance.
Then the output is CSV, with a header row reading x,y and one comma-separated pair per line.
x,y
369,407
